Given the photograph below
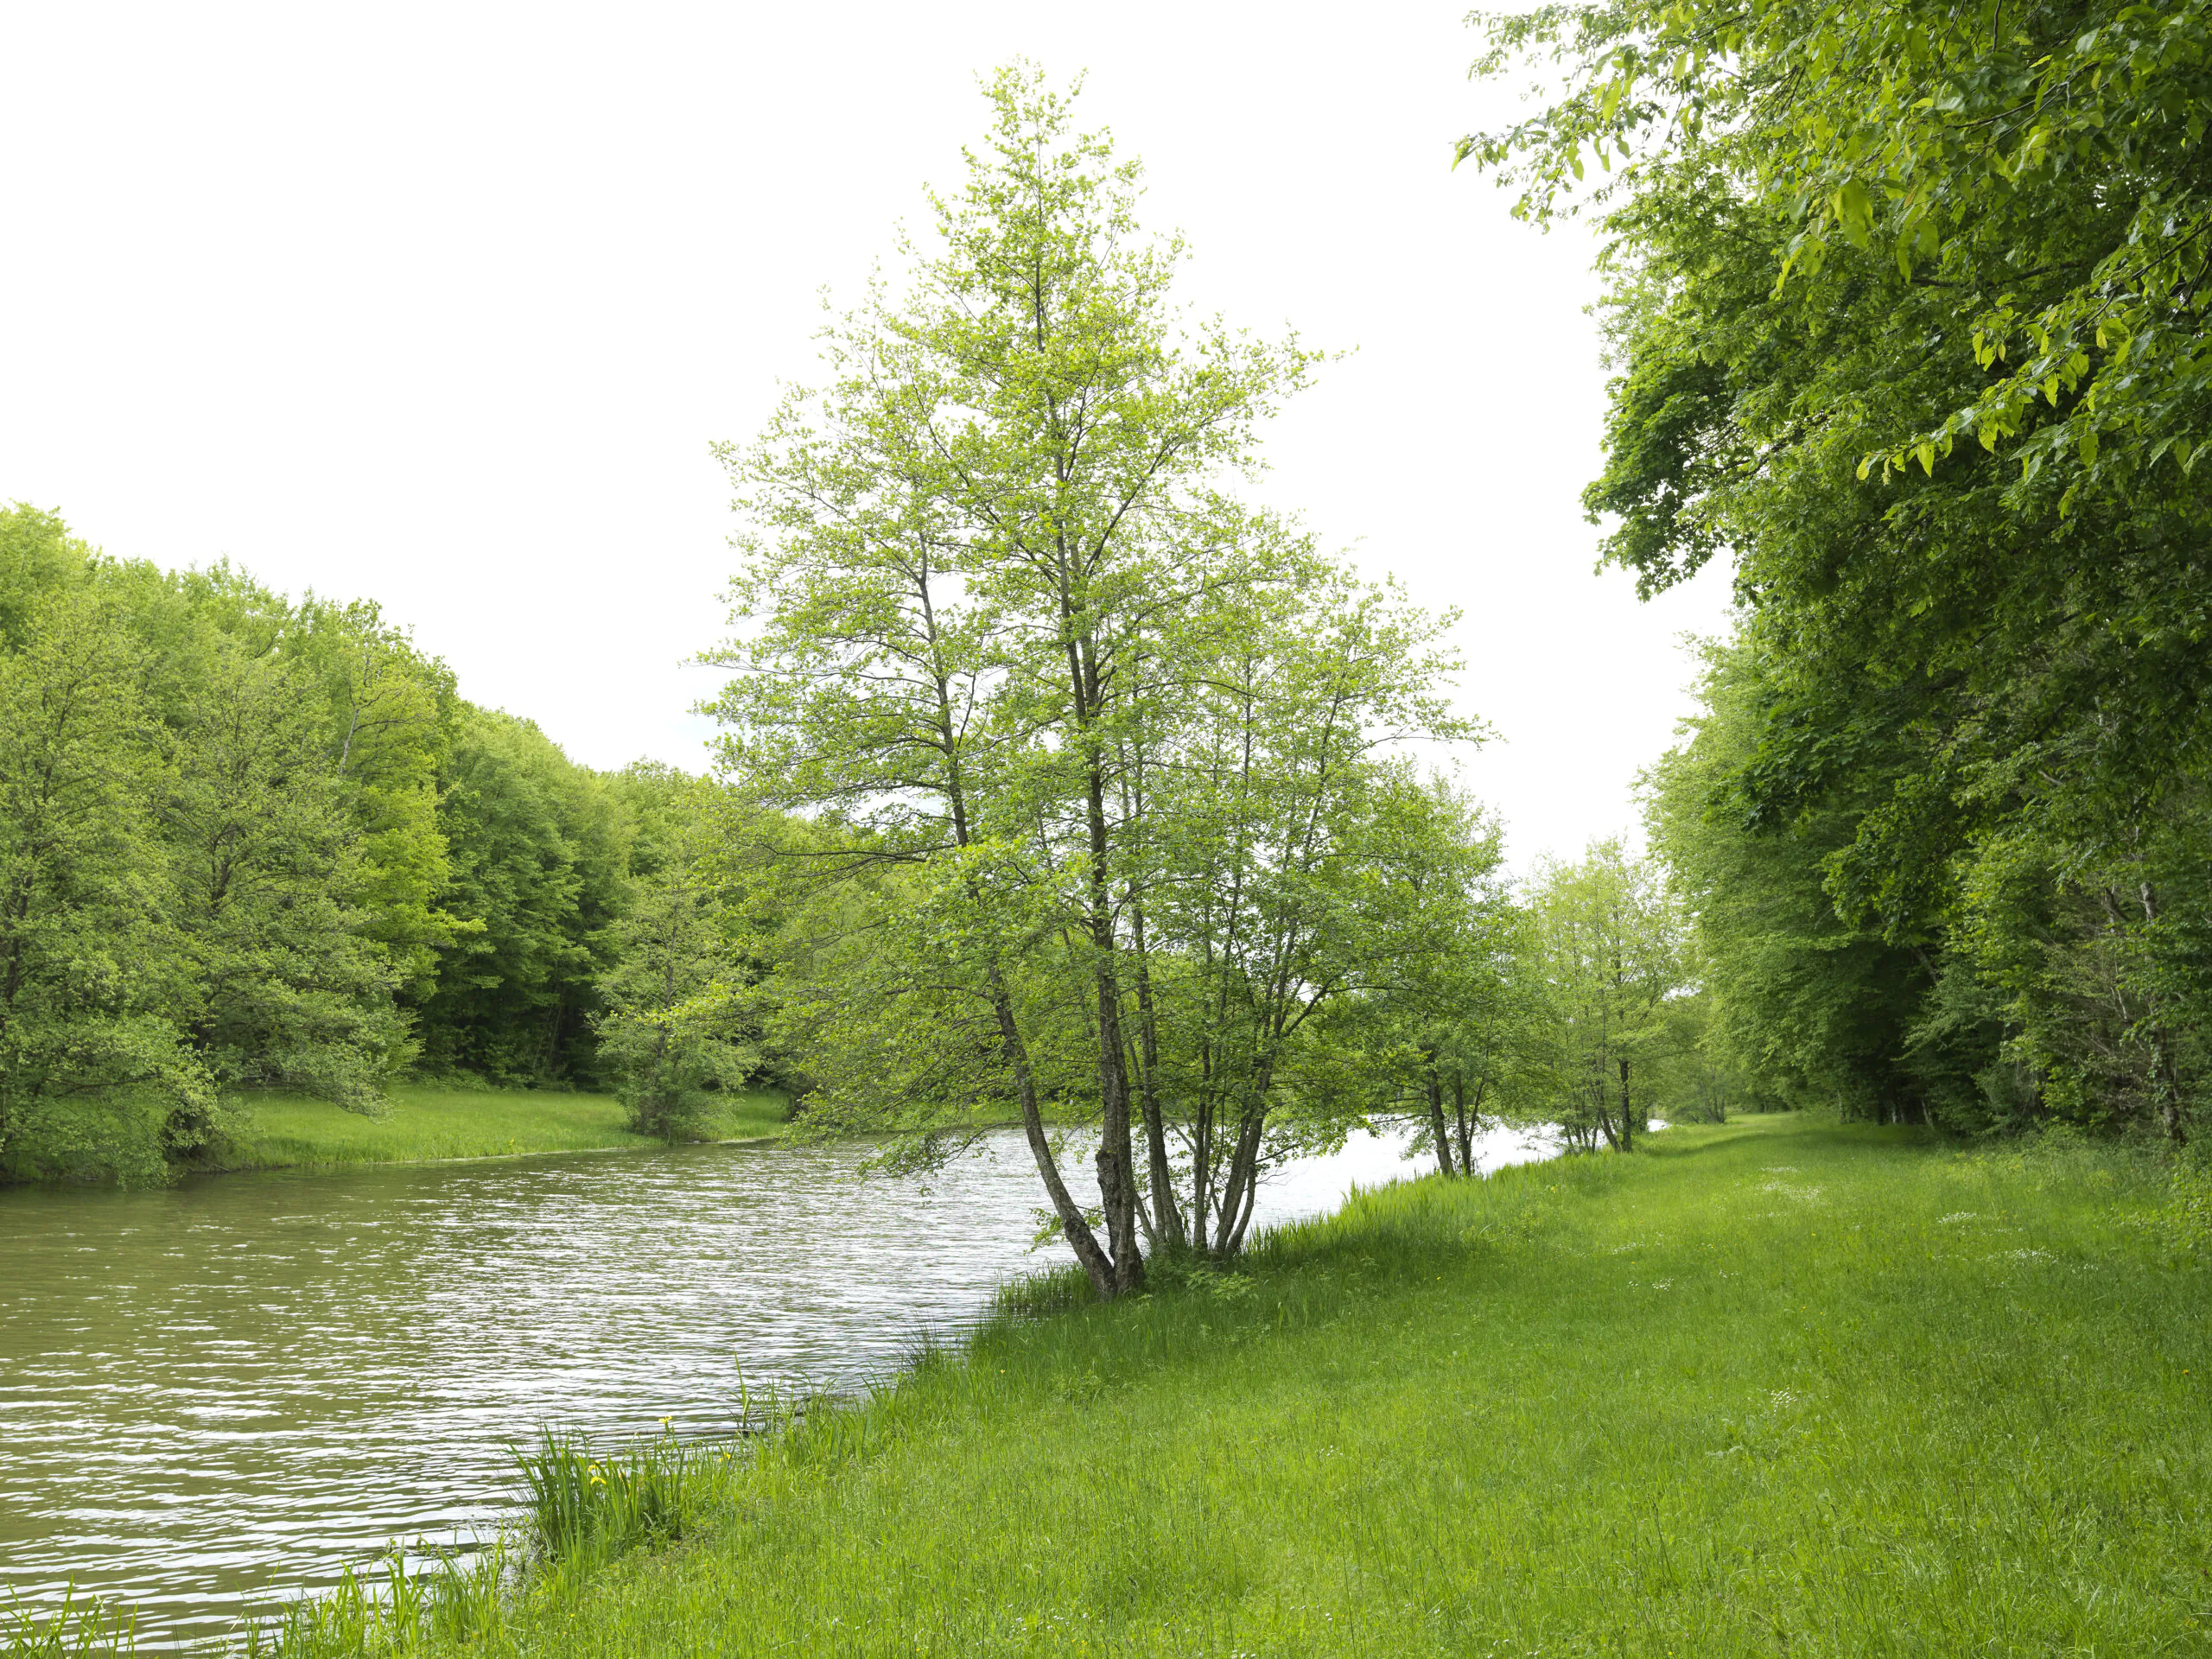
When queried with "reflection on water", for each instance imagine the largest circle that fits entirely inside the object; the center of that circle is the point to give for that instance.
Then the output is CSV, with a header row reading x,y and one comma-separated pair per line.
x,y
234,1388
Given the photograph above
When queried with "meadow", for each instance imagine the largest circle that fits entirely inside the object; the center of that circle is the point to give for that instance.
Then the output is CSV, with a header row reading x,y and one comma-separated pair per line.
x,y
422,1122
1773,1388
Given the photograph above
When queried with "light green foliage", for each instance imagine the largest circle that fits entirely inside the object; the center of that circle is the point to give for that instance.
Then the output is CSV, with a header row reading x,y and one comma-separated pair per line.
x,y
1973,686
1610,941
1094,750
2042,163
288,988
1456,1021
1641,1406
1286,870
393,715
1818,1013
38,558
680,1025
251,843
91,1064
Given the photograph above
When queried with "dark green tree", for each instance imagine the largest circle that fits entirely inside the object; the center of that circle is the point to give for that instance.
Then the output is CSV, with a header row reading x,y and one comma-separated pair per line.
x,y
1907,307
536,845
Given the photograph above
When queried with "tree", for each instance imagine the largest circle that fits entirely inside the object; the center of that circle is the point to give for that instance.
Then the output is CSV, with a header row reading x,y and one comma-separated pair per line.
x,y
676,1027
91,1067
1287,866
394,719
1611,956
284,984
1451,1015
1820,1012
1097,741
534,842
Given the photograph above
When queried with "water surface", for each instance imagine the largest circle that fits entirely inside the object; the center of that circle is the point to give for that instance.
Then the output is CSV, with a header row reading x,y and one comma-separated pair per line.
x,y
221,1392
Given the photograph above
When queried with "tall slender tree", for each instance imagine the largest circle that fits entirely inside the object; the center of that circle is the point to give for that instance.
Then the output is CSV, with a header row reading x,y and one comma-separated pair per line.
x,y
1101,741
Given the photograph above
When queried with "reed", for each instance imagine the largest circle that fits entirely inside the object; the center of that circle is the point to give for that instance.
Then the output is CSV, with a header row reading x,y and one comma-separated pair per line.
x,y
397,1607
592,1506
75,1629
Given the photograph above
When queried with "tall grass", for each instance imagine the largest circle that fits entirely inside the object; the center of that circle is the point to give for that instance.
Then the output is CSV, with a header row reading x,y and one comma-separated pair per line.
x,y
578,1510
397,1608
76,1630
588,1508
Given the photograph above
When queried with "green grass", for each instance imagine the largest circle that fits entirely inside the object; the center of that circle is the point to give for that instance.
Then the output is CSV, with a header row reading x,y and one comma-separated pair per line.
x,y
1772,1389
427,1121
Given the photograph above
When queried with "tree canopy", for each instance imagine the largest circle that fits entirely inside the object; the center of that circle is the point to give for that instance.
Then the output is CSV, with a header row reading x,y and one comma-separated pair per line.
x,y
1114,753
1906,309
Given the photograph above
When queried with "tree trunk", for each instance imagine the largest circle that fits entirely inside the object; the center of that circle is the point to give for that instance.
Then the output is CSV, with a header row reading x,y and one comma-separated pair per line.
x,y
2165,1070
1236,1204
1605,1124
1434,1086
1249,1145
1628,1116
1076,1230
1117,1187
1466,1120
1167,1215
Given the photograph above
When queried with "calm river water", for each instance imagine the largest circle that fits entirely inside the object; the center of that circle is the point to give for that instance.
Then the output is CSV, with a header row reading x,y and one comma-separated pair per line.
x,y
223,1392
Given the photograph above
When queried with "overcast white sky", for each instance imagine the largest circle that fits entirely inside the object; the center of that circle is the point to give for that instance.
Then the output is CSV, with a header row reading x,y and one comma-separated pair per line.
x,y
442,305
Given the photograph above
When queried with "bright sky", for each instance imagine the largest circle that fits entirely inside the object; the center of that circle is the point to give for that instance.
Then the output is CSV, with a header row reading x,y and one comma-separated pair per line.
x,y
441,304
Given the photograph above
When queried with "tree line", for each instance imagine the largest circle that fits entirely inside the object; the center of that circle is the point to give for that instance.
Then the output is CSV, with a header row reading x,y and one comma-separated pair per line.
x,y
1907,307
1059,783
248,841
253,843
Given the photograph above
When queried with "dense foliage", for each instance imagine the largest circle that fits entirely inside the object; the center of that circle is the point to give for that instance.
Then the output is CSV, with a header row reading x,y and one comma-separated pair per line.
x,y
1908,309
247,841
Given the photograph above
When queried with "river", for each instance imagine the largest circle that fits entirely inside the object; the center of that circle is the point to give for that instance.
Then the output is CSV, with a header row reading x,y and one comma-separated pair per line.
x,y
220,1393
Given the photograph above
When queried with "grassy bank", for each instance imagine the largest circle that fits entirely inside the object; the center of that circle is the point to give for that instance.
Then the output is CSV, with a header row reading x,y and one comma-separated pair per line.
x,y
428,1122
1773,1389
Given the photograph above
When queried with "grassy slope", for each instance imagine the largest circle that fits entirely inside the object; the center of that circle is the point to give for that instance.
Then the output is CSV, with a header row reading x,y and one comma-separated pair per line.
x,y
1775,1388
426,1121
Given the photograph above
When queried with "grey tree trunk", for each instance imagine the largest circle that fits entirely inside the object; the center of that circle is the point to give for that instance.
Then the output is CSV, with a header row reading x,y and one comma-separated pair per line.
x,y
1236,1193
1096,1264
1436,1130
1167,1215
1467,1122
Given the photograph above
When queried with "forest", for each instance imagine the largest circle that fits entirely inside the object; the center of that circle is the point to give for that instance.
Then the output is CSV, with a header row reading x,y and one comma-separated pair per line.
x,y
254,843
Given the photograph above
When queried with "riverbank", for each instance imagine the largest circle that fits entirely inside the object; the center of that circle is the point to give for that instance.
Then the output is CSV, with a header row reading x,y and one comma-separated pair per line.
x,y
432,1122
1772,1388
